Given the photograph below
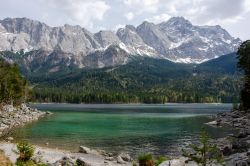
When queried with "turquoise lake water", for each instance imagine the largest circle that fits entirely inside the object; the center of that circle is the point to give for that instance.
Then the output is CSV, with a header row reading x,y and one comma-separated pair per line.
x,y
159,129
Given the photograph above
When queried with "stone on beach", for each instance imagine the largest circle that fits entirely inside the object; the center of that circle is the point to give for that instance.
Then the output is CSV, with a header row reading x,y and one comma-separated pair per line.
x,y
8,108
109,158
120,160
83,149
54,157
10,139
81,162
65,161
125,157
174,162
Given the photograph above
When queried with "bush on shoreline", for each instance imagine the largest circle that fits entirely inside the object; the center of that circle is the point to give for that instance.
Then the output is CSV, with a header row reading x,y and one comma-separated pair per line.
x,y
204,153
148,160
25,151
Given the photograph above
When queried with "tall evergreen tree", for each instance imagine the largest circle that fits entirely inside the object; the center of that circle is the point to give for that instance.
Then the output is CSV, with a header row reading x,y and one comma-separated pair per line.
x,y
244,64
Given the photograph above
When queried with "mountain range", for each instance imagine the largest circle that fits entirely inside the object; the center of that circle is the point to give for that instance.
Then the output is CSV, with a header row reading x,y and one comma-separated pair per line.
x,y
177,40
173,61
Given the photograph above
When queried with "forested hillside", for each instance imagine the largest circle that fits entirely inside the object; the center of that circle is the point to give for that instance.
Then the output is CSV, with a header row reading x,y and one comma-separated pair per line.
x,y
144,80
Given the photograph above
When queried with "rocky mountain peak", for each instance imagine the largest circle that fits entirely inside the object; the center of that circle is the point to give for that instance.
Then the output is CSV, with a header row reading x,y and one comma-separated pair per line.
x,y
177,40
18,25
146,25
131,27
178,22
106,38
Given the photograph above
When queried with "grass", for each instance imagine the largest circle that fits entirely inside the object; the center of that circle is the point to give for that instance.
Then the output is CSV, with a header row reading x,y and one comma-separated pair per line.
x,y
4,161
146,160
159,160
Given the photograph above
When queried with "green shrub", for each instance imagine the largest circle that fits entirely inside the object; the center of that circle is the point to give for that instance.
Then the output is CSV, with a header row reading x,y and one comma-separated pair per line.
x,y
25,151
159,160
146,160
25,163
42,165
205,153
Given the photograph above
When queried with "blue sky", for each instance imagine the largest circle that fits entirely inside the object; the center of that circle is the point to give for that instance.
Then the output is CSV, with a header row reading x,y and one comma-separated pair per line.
x,y
95,15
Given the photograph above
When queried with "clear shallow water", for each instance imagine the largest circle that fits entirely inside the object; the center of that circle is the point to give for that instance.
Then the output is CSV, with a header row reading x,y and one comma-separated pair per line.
x,y
159,129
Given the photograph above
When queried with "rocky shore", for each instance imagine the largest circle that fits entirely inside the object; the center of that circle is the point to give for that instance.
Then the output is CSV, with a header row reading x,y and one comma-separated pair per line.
x,y
236,146
84,157
11,117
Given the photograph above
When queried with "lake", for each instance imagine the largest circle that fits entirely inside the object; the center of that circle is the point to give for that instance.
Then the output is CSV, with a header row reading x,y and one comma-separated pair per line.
x,y
162,129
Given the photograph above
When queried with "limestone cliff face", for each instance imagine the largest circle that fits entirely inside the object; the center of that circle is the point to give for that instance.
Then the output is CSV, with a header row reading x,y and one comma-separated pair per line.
x,y
176,39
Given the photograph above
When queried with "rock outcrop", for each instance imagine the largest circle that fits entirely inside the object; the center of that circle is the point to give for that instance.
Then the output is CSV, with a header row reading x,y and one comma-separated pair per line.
x,y
11,117
235,147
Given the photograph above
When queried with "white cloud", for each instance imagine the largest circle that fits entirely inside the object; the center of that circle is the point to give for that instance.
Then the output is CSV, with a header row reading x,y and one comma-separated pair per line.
x,y
143,5
208,11
55,12
141,2
247,5
159,18
129,16
83,12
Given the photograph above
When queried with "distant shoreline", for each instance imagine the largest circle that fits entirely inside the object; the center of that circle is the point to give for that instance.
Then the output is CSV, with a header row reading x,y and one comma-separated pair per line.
x,y
121,103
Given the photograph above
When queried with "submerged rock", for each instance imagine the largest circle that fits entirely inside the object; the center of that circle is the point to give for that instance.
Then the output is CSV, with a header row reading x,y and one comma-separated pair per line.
x,y
48,113
215,123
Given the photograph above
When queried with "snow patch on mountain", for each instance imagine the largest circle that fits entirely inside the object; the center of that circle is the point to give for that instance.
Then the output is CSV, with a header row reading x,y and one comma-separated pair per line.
x,y
189,60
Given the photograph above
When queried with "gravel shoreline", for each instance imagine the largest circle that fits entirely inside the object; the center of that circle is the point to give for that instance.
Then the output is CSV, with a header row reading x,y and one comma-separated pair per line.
x,y
12,117
55,157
